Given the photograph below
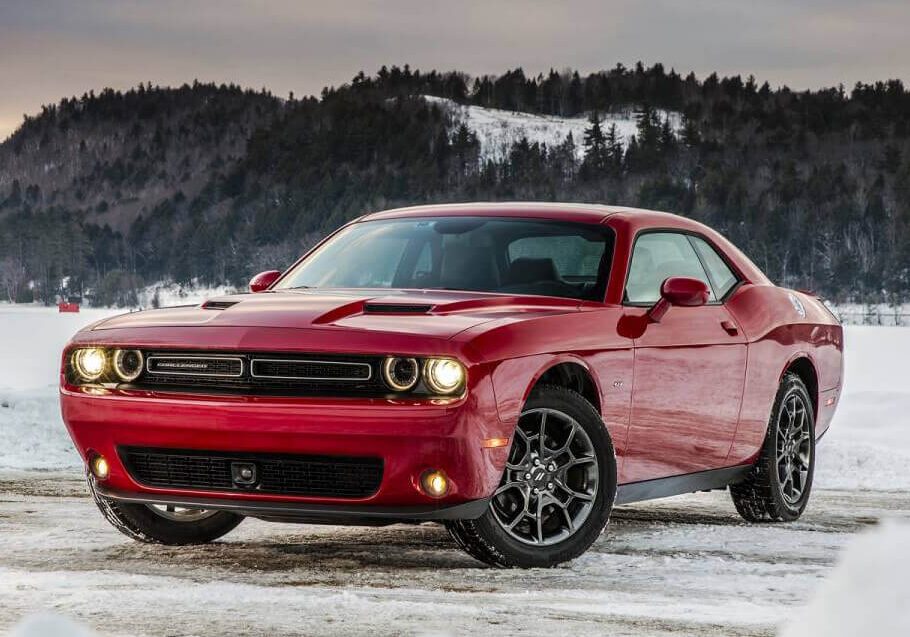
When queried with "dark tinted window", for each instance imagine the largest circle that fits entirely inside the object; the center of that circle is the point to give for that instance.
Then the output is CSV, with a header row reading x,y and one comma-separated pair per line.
x,y
488,254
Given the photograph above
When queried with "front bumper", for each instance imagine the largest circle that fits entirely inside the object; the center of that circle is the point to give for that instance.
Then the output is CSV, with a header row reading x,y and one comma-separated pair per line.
x,y
310,513
409,436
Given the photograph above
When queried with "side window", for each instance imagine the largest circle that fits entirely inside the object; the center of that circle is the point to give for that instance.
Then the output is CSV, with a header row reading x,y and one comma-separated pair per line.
x,y
722,277
656,257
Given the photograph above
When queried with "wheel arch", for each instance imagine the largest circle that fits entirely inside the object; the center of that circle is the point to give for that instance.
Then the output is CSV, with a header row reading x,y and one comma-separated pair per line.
x,y
804,367
571,372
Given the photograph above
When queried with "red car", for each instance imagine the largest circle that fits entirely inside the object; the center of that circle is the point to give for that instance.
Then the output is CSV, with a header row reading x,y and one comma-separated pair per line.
x,y
512,370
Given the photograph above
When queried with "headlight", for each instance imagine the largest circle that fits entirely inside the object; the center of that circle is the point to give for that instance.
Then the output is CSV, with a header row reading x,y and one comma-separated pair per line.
x,y
90,363
400,374
128,364
443,375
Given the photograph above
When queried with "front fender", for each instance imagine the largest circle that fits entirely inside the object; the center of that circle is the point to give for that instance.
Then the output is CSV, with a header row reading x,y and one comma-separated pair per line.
x,y
610,371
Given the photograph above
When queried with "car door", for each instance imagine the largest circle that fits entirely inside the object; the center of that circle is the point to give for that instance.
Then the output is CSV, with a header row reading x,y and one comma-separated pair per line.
x,y
689,368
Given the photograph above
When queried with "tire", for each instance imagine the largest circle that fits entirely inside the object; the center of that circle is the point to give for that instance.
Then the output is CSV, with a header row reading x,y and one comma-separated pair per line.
x,y
585,465
147,524
768,495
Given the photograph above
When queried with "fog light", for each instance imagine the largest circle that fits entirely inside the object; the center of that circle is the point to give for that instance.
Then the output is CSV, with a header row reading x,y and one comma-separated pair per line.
x,y
434,483
100,468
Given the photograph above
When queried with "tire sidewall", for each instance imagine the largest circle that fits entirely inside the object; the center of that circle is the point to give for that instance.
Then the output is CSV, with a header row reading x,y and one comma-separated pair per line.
x,y
180,532
139,522
586,416
790,386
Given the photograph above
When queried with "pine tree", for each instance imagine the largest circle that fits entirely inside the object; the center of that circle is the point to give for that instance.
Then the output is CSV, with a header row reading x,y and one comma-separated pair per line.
x,y
667,139
595,143
614,151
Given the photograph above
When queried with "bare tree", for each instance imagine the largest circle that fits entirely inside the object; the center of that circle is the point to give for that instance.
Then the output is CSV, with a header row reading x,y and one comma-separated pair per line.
x,y
12,277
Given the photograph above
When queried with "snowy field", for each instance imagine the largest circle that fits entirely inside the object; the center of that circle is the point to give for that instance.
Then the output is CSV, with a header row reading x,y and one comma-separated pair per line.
x,y
497,130
684,565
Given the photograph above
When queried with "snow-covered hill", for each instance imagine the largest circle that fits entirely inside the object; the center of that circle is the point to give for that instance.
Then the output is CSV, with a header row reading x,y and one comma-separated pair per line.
x,y
498,129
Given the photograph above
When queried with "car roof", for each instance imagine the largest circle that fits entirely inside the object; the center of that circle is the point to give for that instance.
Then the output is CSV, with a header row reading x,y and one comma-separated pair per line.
x,y
590,213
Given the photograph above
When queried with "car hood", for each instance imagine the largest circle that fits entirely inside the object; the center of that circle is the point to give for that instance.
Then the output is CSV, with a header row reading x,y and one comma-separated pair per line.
x,y
440,314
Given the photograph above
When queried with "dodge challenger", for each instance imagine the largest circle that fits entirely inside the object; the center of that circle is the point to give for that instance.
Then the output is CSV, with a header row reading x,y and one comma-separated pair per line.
x,y
512,371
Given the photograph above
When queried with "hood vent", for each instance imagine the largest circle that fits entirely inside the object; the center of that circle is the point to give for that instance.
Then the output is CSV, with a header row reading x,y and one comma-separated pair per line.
x,y
395,308
218,305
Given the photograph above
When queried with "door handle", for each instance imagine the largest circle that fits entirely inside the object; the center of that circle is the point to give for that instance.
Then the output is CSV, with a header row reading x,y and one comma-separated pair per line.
x,y
730,327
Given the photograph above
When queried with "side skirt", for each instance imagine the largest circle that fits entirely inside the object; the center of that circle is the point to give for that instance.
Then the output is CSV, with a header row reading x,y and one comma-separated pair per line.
x,y
677,485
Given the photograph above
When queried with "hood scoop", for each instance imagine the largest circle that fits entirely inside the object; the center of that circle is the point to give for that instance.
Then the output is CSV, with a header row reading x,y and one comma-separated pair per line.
x,y
395,308
218,305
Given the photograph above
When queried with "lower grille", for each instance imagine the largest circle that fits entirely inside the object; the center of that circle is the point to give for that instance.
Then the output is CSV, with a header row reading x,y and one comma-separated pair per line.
x,y
281,474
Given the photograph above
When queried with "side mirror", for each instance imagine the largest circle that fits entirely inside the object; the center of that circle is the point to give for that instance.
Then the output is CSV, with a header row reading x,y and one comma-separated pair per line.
x,y
264,280
681,291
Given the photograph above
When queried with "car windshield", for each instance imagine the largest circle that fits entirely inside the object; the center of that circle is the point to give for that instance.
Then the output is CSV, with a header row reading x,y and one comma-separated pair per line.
x,y
486,254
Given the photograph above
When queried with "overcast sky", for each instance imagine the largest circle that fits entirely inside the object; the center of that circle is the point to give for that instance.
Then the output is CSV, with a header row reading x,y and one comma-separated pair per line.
x,y
55,48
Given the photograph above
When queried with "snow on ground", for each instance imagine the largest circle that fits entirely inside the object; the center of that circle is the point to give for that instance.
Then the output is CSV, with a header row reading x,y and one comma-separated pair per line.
x,y
867,593
498,129
682,566
31,341
868,444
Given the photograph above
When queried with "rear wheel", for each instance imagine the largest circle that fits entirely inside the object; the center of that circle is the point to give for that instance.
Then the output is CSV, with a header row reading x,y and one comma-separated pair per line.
x,y
780,484
162,524
557,489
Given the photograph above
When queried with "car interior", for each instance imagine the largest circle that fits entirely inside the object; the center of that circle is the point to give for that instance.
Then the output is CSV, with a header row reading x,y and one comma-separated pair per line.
x,y
511,256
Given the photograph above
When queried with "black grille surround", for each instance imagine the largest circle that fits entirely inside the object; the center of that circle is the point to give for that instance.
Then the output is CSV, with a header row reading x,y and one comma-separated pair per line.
x,y
276,474
263,373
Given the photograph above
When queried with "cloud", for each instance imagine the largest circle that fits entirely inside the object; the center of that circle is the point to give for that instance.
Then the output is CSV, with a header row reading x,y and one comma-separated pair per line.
x,y
58,47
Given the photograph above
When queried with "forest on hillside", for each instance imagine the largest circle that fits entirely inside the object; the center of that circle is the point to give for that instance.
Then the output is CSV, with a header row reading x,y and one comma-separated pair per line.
x,y
103,193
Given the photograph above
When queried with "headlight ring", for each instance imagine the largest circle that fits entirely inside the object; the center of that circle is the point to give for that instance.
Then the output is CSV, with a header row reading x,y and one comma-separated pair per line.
x,y
90,363
443,375
400,373
128,364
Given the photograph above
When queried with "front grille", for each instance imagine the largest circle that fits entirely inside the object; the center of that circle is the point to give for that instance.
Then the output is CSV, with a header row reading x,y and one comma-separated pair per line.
x,y
309,370
265,373
280,474
186,365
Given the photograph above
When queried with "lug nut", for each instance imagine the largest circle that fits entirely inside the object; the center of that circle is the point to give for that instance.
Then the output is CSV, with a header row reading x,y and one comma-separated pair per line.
x,y
549,485
536,462
551,466
535,490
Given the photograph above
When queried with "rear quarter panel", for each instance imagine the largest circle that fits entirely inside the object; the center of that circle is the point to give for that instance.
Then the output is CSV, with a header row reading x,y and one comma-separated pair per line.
x,y
777,335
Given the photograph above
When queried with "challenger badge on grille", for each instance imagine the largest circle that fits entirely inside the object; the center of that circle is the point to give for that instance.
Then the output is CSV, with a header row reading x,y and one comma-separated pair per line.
x,y
214,366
